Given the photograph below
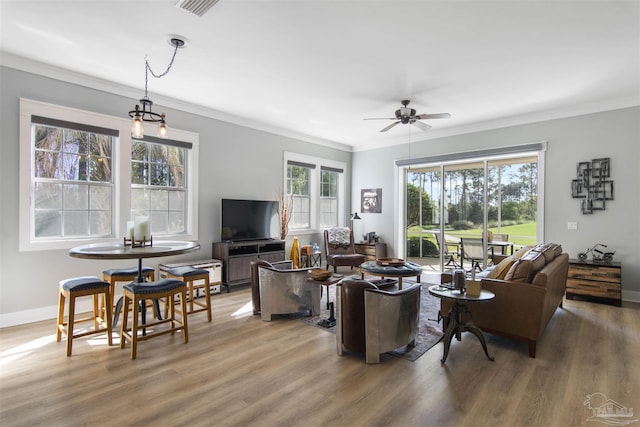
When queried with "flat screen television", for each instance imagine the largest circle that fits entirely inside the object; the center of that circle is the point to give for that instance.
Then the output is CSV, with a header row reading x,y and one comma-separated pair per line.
x,y
249,219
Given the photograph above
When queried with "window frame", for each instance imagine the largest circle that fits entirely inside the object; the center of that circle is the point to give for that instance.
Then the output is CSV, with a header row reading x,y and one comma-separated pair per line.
x,y
121,164
536,150
314,188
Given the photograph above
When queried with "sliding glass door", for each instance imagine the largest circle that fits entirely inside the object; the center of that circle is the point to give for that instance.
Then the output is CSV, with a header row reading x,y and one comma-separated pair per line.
x,y
459,213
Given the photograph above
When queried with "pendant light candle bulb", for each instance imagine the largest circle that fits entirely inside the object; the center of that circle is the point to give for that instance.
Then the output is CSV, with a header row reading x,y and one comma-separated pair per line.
x,y
137,129
162,128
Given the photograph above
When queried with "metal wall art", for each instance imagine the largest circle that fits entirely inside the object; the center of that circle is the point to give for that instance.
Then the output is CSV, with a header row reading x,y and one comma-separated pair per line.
x,y
592,185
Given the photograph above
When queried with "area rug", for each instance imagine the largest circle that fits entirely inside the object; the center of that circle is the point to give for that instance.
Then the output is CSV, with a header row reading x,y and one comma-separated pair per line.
x,y
429,331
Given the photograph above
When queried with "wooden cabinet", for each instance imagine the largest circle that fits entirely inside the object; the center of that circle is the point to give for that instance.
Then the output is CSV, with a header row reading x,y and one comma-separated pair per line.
x,y
236,258
372,251
600,281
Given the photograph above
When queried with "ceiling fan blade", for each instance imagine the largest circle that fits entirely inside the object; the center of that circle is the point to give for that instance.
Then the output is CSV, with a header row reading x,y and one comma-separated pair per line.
x,y
381,118
434,116
421,125
390,126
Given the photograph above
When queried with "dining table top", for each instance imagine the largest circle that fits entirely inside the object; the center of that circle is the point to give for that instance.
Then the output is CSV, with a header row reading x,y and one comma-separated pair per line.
x,y
118,250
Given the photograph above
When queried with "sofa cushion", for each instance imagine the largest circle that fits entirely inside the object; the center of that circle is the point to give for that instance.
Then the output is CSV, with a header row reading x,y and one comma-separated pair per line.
x,y
500,270
526,267
547,250
522,251
557,249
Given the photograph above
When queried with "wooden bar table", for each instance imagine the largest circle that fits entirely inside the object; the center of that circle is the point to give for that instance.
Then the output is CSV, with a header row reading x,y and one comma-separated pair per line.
x,y
116,250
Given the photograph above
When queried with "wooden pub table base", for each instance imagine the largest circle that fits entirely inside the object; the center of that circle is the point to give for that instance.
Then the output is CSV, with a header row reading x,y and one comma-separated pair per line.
x,y
408,269
455,325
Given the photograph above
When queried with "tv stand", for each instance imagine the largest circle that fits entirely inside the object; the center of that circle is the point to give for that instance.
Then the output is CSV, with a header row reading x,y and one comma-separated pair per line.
x,y
237,256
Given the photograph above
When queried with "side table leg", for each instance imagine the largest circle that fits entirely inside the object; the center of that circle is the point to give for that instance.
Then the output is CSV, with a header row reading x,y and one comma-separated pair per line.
x,y
478,333
452,326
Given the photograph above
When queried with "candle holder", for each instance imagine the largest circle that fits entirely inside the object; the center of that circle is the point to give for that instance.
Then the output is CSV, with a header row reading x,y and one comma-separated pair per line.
x,y
134,243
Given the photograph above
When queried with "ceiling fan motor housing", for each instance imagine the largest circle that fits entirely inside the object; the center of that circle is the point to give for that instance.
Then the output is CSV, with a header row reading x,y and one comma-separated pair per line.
x,y
404,114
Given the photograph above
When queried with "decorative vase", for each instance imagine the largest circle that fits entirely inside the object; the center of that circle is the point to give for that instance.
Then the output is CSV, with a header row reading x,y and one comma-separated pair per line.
x,y
295,253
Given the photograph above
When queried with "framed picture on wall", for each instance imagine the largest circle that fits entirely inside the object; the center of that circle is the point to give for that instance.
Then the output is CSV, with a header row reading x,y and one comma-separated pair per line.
x,y
371,200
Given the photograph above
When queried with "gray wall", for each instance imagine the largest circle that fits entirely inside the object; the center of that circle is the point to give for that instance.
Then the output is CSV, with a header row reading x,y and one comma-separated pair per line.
x,y
245,163
235,162
614,134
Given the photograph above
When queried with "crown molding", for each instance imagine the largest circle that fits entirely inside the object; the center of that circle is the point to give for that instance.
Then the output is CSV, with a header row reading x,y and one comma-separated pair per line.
x,y
35,67
39,68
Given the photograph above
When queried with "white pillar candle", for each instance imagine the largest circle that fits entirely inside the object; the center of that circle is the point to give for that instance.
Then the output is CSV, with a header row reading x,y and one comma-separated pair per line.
x,y
129,230
141,228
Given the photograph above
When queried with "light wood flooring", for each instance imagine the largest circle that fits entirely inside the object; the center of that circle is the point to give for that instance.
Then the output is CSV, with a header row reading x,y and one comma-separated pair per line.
x,y
240,371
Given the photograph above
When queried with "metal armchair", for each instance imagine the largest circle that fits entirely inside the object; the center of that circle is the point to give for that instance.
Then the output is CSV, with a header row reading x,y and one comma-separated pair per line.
x,y
340,249
373,321
285,291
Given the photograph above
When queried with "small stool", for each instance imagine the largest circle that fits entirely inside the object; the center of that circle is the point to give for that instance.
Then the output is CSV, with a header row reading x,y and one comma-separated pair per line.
x,y
136,294
114,275
190,275
79,287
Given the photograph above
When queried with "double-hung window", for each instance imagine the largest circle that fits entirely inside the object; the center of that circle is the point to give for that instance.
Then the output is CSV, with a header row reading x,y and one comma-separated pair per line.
x,y
316,188
158,184
82,177
72,179
298,189
329,180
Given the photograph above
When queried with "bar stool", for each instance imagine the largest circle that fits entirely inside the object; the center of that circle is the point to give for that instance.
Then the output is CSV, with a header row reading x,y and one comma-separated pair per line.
x,y
115,275
78,287
135,294
189,275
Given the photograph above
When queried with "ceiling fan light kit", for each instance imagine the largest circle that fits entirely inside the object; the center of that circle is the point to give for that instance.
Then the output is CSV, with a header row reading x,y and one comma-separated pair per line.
x,y
406,115
139,115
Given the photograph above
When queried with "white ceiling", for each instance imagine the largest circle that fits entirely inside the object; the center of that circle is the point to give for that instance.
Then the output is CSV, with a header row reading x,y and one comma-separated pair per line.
x,y
315,69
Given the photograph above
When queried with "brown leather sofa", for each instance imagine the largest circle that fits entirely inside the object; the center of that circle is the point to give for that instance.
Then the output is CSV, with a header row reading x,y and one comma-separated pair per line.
x,y
526,299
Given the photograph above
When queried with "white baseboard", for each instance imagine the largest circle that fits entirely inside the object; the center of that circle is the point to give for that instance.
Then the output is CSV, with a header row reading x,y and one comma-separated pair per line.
x,y
632,296
40,314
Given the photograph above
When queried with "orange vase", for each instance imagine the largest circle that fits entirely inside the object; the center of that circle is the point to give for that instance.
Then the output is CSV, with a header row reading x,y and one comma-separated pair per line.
x,y
295,253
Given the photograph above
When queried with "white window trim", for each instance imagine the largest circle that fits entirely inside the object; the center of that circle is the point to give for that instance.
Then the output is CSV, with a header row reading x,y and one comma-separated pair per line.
x,y
314,188
121,173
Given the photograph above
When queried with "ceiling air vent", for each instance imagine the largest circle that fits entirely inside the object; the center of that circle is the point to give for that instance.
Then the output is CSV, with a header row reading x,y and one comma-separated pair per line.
x,y
197,7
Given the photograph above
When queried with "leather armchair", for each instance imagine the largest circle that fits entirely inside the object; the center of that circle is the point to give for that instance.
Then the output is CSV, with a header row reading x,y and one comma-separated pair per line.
x,y
341,253
285,291
373,321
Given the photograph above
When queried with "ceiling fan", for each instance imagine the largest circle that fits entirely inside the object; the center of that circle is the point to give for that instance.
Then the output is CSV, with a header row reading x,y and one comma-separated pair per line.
x,y
408,115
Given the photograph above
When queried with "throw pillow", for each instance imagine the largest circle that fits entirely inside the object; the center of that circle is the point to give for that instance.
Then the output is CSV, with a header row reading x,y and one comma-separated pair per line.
x,y
522,251
340,236
558,249
526,267
547,250
500,270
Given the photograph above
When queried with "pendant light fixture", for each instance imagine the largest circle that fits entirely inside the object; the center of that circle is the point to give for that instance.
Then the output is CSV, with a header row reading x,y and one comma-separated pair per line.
x,y
142,112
